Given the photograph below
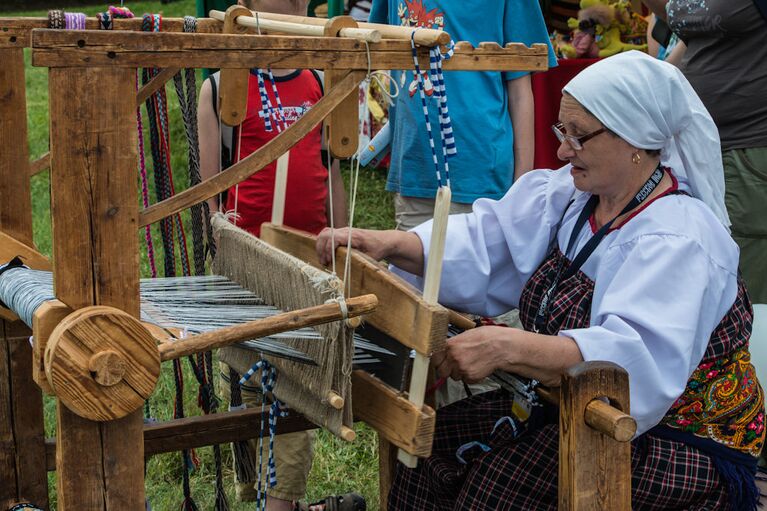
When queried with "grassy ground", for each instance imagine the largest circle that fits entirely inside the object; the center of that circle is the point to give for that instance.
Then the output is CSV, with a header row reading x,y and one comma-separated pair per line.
x,y
338,467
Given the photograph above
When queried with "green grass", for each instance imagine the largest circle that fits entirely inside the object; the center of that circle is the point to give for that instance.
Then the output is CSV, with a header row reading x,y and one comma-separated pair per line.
x,y
338,467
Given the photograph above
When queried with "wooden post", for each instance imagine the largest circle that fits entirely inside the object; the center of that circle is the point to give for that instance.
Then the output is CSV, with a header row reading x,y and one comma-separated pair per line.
x,y
23,476
15,198
22,436
594,469
343,122
94,206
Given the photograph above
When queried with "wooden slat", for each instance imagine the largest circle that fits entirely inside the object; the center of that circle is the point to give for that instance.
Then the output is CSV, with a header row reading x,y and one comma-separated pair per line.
x,y
10,247
255,161
402,313
394,417
40,164
15,192
155,84
53,48
94,205
193,432
17,32
594,469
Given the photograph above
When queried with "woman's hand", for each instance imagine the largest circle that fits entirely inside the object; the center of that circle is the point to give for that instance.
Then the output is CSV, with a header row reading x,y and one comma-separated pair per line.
x,y
403,249
373,243
474,354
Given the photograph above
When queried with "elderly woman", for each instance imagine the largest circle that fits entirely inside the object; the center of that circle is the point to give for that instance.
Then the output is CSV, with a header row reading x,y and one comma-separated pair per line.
x,y
622,255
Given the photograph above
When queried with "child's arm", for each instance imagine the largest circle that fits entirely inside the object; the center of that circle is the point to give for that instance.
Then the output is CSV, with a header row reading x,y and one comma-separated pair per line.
x,y
521,110
209,137
338,197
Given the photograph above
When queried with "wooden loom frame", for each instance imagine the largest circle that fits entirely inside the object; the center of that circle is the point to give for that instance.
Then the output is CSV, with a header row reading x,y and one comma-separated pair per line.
x,y
99,265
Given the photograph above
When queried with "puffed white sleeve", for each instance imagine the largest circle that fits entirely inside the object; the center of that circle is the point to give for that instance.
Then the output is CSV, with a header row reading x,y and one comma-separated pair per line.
x,y
491,252
657,299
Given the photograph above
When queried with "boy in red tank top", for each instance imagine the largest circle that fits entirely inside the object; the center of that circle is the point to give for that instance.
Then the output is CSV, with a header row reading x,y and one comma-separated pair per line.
x,y
307,207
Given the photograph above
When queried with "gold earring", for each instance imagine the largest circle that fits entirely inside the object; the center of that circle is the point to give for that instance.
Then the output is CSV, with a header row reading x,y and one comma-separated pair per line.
x,y
636,158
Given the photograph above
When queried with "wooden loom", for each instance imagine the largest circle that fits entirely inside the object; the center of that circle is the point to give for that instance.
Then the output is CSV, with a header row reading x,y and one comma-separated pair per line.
x,y
95,216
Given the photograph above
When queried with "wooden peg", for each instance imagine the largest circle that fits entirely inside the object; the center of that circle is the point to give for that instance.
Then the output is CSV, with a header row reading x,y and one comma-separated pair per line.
x,y
343,122
335,400
348,434
107,368
233,86
280,189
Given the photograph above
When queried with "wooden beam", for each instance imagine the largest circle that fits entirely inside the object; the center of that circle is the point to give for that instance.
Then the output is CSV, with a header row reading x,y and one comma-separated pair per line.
x,y
15,191
40,164
594,469
193,432
255,161
94,205
283,322
17,32
53,48
394,417
402,314
155,84
11,247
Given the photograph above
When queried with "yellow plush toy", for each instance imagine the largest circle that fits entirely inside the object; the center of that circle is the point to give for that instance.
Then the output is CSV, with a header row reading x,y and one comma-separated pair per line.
x,y
597,31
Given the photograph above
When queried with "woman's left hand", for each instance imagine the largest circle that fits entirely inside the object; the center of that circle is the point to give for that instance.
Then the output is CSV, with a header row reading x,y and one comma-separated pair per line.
x,y
474,354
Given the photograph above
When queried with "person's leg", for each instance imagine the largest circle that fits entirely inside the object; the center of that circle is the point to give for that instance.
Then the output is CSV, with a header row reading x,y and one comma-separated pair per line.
x,y
745,174
293,456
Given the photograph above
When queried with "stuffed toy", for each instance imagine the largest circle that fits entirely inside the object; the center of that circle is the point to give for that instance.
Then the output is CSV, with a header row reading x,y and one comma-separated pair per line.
x,y
597,31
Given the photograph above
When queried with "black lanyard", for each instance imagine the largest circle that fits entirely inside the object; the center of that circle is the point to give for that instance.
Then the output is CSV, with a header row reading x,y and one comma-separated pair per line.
x,y
555,276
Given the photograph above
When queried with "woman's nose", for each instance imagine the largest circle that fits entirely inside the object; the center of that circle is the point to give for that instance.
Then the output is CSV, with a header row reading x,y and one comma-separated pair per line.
x,y
565,151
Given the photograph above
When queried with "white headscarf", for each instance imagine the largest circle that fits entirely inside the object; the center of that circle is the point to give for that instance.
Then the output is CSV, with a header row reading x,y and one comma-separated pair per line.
x,y
651,105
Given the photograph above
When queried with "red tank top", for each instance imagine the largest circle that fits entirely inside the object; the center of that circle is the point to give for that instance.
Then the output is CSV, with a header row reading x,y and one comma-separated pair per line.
x,y
307,176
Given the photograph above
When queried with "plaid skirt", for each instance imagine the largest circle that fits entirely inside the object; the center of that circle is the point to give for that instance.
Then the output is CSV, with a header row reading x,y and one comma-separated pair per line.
x,y
521,473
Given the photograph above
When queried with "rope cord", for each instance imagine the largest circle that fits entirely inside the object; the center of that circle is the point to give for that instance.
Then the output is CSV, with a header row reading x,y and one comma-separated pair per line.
x,y
276,409
188,106
157,113
446,130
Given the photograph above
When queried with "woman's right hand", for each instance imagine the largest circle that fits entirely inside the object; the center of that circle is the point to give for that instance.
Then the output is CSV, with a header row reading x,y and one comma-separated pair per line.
x,y
376,244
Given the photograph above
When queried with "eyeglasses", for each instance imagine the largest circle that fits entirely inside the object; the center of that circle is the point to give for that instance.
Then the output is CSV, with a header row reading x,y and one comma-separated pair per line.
x,y
575,142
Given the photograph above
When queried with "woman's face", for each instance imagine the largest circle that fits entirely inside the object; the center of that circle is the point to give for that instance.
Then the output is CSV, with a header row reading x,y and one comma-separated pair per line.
x,y
597,167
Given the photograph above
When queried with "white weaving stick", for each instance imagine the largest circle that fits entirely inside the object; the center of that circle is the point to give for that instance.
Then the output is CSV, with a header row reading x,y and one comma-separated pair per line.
x,y
280,189
430,294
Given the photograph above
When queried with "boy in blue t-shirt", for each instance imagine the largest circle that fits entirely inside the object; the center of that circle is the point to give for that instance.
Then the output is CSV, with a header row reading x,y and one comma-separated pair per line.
x,y
491,112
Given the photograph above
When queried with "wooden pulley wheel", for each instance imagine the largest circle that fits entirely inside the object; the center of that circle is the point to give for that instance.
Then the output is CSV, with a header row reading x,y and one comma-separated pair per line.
x,y
102,363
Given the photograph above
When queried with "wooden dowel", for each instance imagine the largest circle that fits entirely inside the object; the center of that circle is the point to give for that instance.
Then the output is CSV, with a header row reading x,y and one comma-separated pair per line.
x,y
610,421
459,320
154,84
298,28
348,434
263,327
335,400
599,415
40,164
423,36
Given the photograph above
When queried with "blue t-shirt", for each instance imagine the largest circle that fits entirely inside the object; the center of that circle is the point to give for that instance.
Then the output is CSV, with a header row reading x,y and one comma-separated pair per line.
x,y
477,100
